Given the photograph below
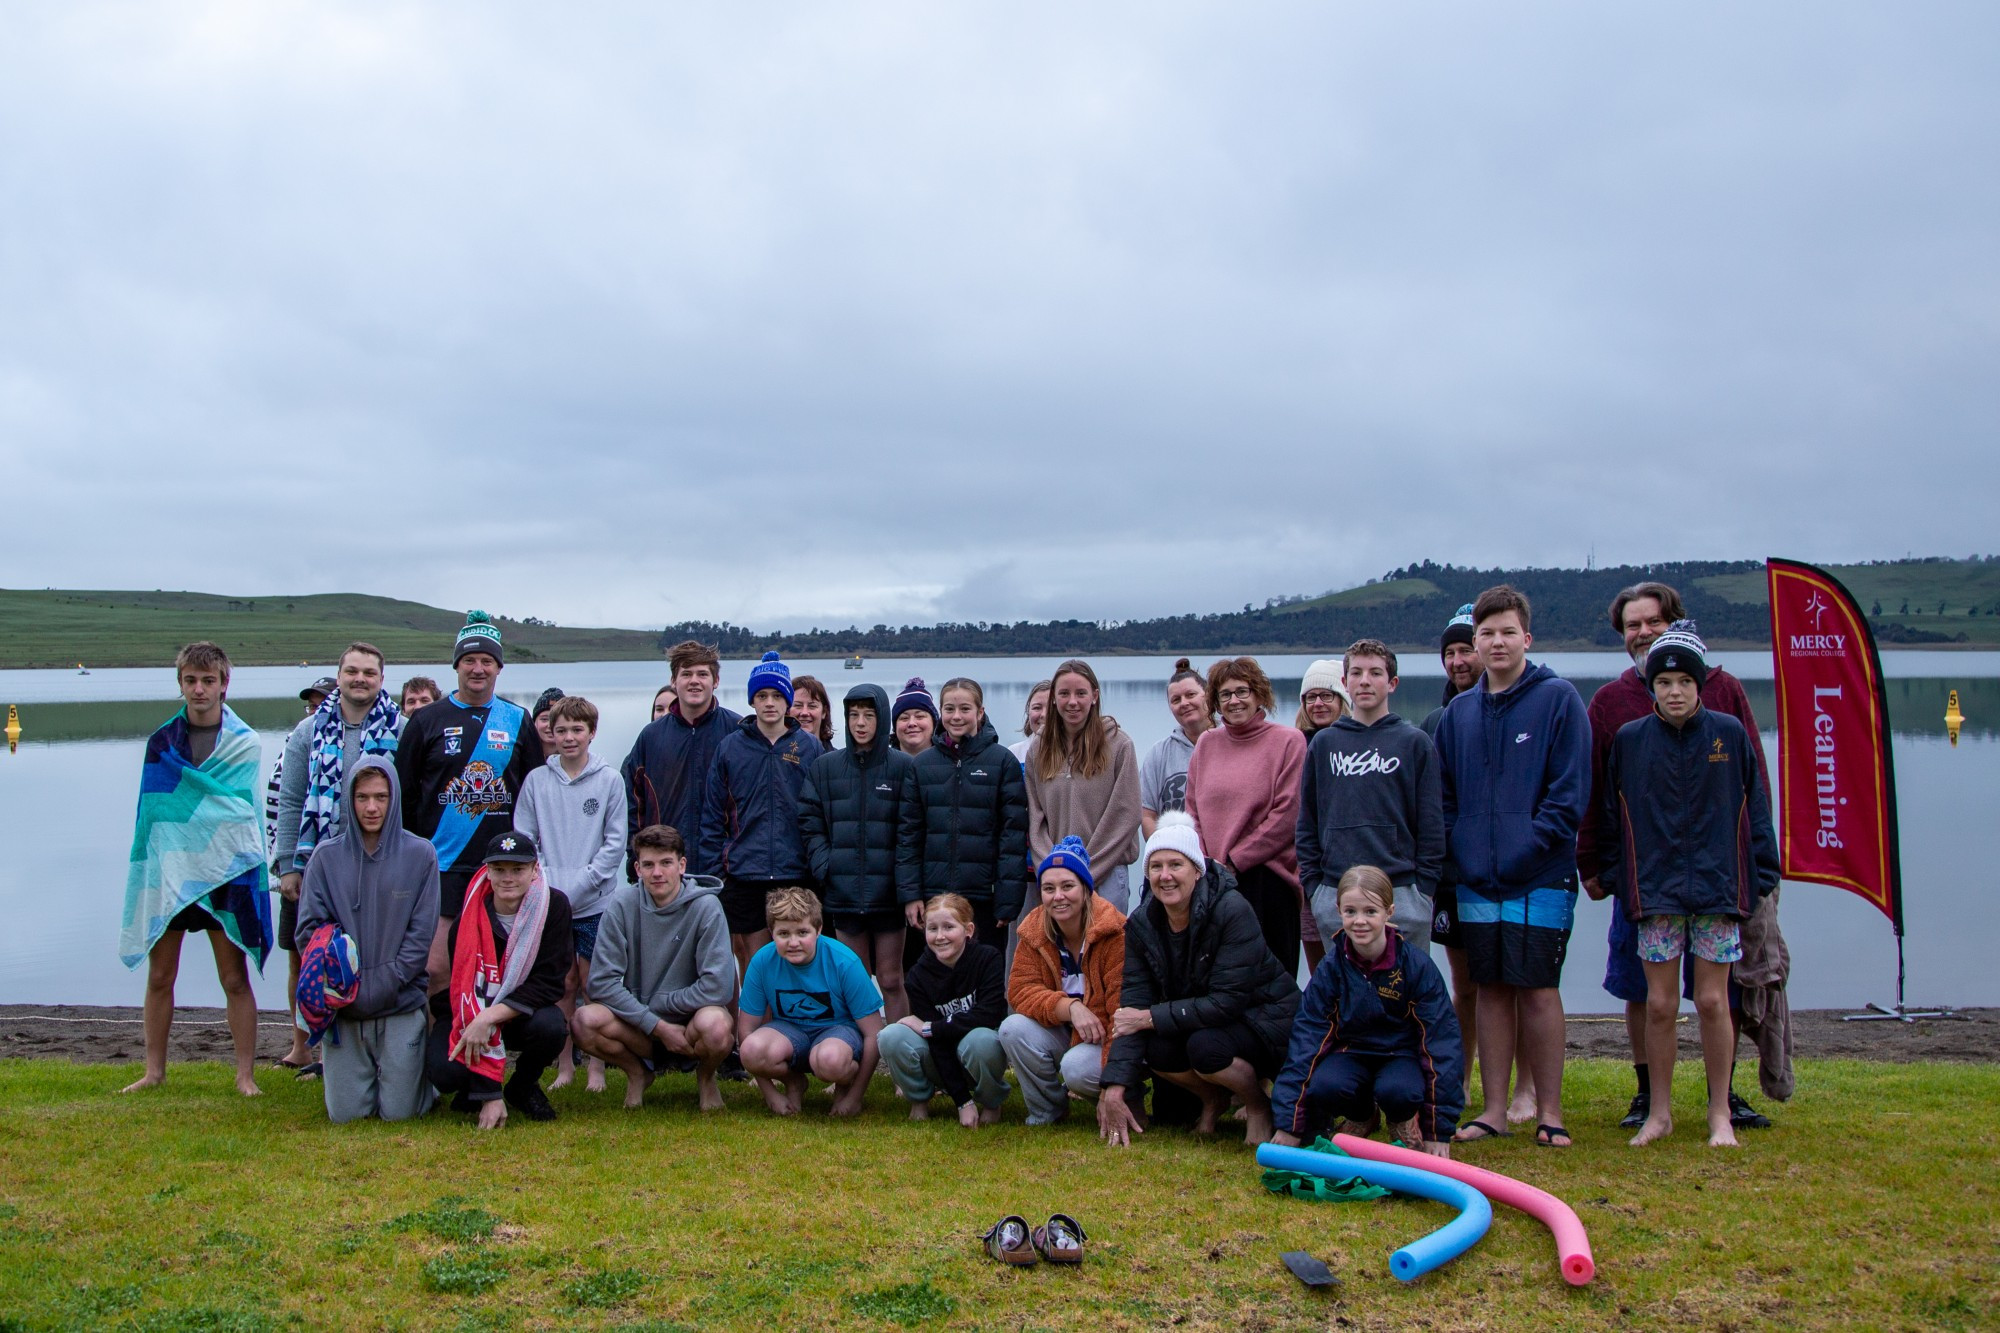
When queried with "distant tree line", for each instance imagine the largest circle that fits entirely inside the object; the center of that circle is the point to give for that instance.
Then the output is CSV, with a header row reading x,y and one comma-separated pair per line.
x,y
1570,606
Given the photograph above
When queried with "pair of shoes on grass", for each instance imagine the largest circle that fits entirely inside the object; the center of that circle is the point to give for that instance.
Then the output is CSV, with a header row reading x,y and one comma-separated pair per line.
x,y
1012,1241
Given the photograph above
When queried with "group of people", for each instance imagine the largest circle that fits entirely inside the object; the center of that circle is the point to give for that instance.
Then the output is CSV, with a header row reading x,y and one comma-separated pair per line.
x,y
463,882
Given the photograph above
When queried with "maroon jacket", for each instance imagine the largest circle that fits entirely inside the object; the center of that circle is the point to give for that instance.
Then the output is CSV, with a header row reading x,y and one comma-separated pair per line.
x,y
1627,699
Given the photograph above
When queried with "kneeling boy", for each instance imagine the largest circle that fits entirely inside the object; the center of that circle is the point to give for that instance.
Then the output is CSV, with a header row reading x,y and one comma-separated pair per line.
x,y
807,1003
510,956
662,974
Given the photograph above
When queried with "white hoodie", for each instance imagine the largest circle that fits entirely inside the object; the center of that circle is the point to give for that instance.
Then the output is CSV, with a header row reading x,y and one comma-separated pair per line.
x,y
579,829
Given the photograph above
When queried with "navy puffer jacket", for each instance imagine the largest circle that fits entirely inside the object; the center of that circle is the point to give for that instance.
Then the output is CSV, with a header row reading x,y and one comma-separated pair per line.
x,y
858,819
974,808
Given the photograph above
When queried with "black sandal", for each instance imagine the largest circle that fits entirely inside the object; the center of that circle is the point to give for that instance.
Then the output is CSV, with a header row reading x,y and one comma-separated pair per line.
x,y
310,1072
1486,1132
1010,1241
1061,1241
1546,1135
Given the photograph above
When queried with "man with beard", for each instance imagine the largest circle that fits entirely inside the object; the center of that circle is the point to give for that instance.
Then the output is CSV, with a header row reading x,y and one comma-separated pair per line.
x,y
1640,614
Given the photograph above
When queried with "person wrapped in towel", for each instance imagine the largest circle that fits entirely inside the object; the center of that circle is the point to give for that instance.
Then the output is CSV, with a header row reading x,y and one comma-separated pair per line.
x,y
197,861
511,951
377,884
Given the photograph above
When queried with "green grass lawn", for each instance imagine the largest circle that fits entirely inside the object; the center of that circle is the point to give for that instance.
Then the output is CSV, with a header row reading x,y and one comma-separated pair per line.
x,y
1872,1205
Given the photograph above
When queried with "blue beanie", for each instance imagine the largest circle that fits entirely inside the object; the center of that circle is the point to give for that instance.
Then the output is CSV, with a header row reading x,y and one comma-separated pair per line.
x,y
915,695
1070,855
771,674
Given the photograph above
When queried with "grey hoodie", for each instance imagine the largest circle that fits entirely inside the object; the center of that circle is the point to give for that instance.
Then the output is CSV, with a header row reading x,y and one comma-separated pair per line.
x,y
386,901
1371,796
579,827
653,963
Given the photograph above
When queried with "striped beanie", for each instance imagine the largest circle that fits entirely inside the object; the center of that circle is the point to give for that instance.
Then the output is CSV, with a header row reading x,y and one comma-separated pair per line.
x,y
480,635
1679,649
915,695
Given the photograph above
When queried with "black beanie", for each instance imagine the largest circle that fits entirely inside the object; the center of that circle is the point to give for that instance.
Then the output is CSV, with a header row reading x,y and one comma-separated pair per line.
x,y
1459,630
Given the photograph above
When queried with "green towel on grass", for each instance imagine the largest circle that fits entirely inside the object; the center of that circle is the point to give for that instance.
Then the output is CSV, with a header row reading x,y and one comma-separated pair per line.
x,y
1301,1185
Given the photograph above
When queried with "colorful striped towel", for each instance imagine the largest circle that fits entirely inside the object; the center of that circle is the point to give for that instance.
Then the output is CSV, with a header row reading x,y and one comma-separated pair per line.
x,y
199,838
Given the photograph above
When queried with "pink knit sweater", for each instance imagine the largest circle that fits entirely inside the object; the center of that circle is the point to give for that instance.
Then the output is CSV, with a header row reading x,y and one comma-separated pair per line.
x,y
1243,791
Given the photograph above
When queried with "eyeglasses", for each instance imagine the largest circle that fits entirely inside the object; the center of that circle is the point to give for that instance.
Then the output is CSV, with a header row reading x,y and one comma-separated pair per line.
x,y
1232,696
1318,697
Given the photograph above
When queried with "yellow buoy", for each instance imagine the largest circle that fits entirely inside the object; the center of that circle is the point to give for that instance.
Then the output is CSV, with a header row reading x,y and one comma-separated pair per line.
x,y
1953,719
13,728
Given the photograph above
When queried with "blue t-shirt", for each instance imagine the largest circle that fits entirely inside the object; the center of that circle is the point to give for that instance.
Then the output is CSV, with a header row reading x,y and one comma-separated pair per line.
x,y
833,988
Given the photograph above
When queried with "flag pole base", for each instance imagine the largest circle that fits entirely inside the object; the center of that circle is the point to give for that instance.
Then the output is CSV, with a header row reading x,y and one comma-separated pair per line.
x,y
1884,1014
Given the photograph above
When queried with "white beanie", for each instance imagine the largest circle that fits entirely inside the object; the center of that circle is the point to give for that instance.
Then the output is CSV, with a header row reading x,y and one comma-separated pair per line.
x,y
1325,674
1175,833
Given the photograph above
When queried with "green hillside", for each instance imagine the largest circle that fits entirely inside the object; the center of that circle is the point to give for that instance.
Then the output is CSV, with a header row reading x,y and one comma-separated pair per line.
x,y
1391,592
1922,597
58,628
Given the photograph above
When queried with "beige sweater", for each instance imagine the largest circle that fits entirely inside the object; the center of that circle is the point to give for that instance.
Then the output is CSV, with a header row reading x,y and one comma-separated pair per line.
x,y
1103,811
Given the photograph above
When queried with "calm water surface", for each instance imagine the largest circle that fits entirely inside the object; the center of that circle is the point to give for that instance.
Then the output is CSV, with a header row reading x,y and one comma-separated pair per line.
x,y
67,794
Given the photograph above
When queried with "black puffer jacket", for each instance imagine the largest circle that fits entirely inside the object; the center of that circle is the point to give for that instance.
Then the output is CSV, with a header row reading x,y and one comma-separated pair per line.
x,y
974,806
859,820
1231,975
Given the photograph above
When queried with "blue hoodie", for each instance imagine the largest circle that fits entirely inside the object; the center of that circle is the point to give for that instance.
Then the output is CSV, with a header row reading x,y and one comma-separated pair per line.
x,y
1516,769
750,816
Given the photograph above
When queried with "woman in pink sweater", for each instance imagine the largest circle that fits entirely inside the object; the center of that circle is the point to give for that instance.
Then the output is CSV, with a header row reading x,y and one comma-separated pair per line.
x,y
1243,791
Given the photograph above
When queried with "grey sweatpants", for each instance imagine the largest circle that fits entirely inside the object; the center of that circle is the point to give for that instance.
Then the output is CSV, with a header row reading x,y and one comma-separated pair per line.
x,y
377,1069
1411,918
1049,1068
912,1069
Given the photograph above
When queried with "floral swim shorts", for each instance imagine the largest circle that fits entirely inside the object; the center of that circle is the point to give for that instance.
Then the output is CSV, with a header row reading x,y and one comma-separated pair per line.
x,y
1715,939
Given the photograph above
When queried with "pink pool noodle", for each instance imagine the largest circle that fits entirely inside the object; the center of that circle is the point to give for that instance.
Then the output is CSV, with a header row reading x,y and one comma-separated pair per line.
x,y
1572,1245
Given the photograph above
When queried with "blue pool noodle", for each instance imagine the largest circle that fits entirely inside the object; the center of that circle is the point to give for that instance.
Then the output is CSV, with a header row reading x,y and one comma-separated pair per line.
x,y
1420,1256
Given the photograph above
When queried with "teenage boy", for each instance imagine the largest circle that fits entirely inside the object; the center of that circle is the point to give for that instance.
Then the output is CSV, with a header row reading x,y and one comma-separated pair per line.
x,y
357,718
574,808
663,977
197,861
666,774
1641,614
808,1004
461,761
1369,795
750,817
378,884
1516,770
510,955
1688,850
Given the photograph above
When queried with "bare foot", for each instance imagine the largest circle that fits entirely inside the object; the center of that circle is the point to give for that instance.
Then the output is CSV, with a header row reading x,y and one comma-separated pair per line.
x,y
1258,1126
149,1081
918,1110
1522,1110
795,1093
1656,1128
1721,1134
968,1115
989,1115
247,1085
777,1098
1211,1114
1407,1132
493,1114
708,1096
635,1089
847,1102
593,1079
563,1078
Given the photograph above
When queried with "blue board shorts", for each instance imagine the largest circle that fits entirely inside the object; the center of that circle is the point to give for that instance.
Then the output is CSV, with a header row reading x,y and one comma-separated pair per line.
x,y
583,935
803,1040
1520,940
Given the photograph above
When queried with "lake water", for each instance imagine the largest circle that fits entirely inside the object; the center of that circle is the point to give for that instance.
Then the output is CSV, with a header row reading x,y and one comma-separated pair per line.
x,y
67,794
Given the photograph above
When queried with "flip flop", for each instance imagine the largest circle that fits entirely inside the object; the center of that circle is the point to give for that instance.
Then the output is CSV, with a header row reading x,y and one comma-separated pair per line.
x,y
1486,1132
1546,1136
307,1073
1061,1241
1008,1241
294,1065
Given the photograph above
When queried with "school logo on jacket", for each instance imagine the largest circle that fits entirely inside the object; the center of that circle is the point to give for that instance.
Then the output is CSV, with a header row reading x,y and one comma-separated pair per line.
x,y
804,1006
1347,765
1716,754
477,786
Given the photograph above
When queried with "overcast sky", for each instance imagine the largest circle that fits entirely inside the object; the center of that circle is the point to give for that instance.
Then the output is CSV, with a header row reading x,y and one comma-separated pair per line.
x,y
794,315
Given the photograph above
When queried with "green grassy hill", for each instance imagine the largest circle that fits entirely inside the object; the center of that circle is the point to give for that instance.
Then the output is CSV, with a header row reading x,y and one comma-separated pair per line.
x,y
1948,597
58,628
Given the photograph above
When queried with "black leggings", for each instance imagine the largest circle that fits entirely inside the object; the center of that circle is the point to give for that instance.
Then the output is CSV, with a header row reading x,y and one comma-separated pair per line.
x,y
1350,1086
1277,906
1210,1051
536,1038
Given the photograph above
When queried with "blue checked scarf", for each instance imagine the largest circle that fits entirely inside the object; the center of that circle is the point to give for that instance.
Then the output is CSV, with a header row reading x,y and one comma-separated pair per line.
x,y
321,811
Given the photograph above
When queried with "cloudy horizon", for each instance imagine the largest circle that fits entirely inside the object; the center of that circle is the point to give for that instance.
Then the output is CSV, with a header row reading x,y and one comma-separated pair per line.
x,y
896,313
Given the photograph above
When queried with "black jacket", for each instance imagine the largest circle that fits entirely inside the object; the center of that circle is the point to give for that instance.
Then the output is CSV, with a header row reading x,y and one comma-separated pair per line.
x,y
956,1001
1230,976
666,778
973,802
1685,824
858,819
547,975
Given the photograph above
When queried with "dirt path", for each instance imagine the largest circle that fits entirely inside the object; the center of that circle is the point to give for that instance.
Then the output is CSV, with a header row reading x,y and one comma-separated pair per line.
x,y
109,1034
